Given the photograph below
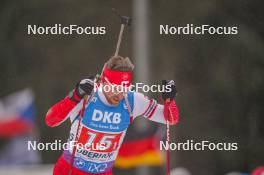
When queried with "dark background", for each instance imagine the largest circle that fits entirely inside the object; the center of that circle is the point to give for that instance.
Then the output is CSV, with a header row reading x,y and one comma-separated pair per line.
x,y
219,78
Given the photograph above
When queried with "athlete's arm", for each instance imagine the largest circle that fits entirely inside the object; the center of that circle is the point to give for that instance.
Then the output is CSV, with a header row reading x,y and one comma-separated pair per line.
x,y
59,112
150,109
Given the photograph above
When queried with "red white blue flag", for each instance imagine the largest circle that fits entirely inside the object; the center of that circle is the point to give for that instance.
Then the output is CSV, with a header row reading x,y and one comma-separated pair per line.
x,y
17,114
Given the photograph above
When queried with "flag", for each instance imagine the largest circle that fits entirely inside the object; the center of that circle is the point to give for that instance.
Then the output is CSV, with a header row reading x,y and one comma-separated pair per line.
x,y
141,146
16,114
139,152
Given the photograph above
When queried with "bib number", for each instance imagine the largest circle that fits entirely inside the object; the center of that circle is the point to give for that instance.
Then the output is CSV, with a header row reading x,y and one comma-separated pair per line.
x,y
97,141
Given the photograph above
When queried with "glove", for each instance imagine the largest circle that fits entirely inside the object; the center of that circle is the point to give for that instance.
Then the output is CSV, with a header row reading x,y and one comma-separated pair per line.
x,y
172,93
82,88
171,111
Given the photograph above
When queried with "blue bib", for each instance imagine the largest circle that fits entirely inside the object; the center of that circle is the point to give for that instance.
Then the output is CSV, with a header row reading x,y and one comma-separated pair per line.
x,y
105,118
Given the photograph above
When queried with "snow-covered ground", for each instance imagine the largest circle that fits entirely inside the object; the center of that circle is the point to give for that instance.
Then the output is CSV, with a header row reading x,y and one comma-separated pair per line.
x,y
26,170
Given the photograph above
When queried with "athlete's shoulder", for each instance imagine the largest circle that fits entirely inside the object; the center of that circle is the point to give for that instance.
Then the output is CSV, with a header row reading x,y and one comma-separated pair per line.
x,y
139,97
131,98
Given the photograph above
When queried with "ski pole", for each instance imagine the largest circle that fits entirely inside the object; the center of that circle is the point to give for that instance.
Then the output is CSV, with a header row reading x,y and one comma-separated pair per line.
x,y
168,139
125,21
86,99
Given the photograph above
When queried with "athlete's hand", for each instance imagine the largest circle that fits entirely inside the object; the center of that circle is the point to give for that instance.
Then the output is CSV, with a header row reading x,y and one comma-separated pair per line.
x,y
82,88
172,92
171,111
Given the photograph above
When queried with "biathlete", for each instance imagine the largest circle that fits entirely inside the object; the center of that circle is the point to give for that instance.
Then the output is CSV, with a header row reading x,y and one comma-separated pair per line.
x,y
106,117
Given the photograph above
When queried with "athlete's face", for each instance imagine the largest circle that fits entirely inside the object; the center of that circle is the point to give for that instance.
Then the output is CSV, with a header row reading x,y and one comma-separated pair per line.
x,y
113,96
